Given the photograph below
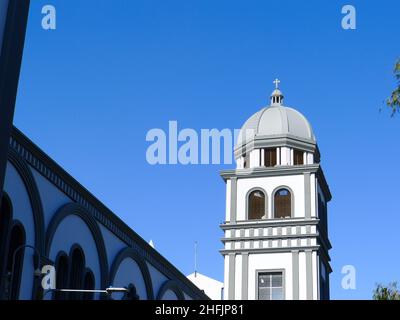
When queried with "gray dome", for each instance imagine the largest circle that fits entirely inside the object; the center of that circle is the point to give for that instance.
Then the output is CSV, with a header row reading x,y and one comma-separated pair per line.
x,y
276,121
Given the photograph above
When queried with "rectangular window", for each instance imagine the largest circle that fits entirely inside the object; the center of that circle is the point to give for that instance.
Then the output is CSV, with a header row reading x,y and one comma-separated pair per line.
x,y
270,157
246,160
298,157
270,286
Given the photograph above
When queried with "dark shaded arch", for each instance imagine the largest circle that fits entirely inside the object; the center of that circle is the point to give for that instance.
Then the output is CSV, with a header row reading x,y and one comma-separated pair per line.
x,y
62,273
254,215
15,260
141,262
88,284
81,212
278,210
6,218
173,286
76,271
26,175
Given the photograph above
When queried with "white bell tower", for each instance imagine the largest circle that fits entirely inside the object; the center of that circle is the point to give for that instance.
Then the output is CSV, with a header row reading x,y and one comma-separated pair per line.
x,y
275,231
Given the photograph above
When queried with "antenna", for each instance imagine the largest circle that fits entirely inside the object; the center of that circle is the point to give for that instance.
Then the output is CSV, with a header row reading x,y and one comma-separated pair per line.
x,y
195,258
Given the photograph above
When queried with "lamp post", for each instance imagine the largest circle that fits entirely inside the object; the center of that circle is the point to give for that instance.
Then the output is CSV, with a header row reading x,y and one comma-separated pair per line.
x,y
37,271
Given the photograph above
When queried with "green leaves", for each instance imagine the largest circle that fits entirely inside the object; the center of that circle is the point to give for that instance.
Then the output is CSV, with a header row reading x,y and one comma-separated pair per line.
x,y
394,101
389,292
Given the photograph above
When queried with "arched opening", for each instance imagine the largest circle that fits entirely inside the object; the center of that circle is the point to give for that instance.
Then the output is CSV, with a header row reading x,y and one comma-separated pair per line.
x,y
15,261
61,276
88,284
76,272
131,294
5,221
256,205
283,203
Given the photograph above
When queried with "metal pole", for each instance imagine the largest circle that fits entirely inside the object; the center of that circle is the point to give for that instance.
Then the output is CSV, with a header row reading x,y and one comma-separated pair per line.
x,y
107,291
195,258
15,254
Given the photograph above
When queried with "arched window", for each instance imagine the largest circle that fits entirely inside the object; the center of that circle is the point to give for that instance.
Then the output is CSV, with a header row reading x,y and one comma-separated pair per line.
x,y
15,261
76,272
282,203
88,284
61,276
256,205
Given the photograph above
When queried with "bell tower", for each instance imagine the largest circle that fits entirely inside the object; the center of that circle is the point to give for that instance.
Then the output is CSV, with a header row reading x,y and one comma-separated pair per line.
x,y
275,231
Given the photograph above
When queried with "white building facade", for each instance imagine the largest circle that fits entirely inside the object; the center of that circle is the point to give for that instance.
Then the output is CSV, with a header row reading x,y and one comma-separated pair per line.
x,y
212,288
275,231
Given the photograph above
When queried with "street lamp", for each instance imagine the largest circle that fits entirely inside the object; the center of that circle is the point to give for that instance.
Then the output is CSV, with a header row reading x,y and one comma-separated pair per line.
x,y
37,272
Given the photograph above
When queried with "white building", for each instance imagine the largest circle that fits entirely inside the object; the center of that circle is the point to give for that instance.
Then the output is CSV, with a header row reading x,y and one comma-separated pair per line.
x,y
211,287
275,234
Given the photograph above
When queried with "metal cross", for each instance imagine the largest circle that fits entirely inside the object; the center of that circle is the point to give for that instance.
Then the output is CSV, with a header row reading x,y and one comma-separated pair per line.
x,y
277,82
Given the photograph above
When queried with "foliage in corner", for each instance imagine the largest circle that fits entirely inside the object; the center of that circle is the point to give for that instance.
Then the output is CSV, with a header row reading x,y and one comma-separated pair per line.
x,y
389,292
394,101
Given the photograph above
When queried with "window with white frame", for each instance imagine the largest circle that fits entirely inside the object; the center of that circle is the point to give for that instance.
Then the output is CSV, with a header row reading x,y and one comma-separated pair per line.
x,y
270,286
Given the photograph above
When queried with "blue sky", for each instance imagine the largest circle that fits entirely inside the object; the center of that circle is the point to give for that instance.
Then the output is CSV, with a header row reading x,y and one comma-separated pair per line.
x,y
112,70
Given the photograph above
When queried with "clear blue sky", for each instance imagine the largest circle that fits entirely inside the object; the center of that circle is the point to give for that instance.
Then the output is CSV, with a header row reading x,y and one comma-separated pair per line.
x,y
112,70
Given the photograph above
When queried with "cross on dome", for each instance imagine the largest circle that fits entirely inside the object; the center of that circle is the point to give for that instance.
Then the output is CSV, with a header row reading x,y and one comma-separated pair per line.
x,y
276,96
277,82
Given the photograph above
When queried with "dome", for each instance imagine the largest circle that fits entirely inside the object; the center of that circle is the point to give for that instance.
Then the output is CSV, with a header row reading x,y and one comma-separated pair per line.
x,y
276,121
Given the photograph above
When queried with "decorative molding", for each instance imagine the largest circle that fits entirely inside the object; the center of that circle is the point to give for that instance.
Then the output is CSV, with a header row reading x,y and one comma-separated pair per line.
x,y
277,237
258,172
265,223
295,274
309,274
269,250
34,197
78,210
233,207
269,141
280,171
265,201
287,188
129,253
49,169
307,195
174,287
245,275
231,272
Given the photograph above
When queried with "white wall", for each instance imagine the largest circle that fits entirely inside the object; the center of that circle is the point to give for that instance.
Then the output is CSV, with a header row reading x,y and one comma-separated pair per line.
x,y
269,184
226,277
270,261
228,200
211,287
